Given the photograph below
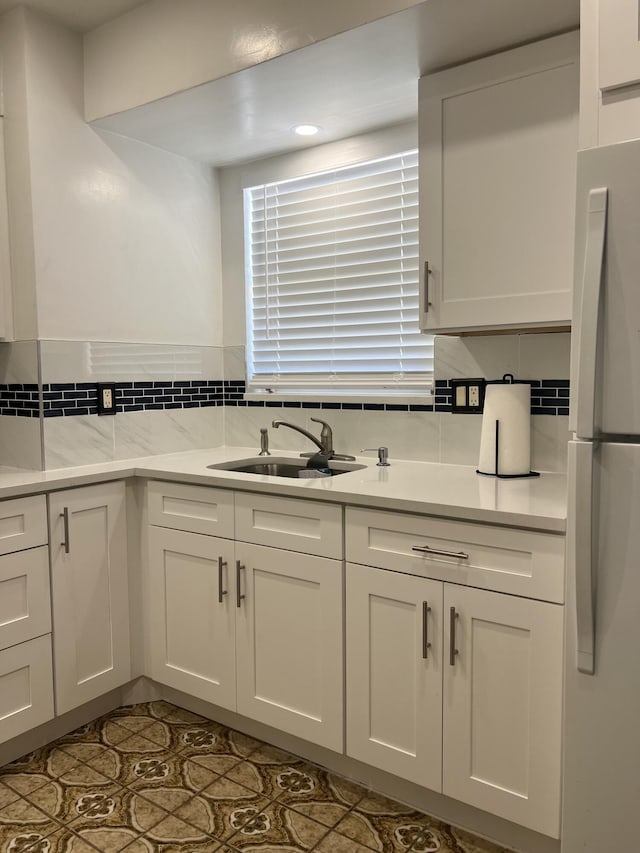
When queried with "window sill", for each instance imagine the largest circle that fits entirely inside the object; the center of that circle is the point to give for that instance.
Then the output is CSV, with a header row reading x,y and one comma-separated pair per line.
x,y
343,399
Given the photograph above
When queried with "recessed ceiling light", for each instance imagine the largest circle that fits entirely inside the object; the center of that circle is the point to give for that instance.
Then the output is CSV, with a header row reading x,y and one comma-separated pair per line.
x,y
306,129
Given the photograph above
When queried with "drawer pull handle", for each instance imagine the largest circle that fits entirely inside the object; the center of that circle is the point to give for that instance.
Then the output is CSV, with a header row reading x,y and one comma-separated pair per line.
x,y
239,596
452,636
425,549
426,645
64,515
222,564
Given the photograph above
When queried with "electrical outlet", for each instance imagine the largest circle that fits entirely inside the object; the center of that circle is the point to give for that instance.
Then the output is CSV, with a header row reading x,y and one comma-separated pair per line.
x,y
467,396
106,398
474,397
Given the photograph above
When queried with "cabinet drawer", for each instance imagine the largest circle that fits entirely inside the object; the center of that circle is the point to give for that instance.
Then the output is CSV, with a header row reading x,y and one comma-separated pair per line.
x,y
519,562
26,687
23,523
196,509
294,525
25,609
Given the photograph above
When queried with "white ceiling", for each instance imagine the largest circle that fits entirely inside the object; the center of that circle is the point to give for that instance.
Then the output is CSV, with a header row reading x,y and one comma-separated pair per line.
x,y
348,84
80,15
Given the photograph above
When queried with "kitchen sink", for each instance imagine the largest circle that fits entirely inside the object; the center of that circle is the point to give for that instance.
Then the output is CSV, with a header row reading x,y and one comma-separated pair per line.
x,y
281,466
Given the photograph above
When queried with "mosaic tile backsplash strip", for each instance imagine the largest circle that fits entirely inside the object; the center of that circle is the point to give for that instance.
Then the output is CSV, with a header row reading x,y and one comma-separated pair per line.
x,y
548,397
20,400
154,778
81,398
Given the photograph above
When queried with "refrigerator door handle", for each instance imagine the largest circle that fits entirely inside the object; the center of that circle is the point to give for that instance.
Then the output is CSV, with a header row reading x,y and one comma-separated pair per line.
x,y
584,362
580,556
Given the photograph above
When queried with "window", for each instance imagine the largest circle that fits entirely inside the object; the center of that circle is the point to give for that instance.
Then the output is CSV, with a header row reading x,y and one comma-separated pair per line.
x,y
332,277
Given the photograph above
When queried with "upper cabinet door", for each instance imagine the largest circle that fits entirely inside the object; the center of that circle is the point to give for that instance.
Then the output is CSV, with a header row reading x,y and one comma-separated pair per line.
x,y
498,142
89,584
6,324
619,43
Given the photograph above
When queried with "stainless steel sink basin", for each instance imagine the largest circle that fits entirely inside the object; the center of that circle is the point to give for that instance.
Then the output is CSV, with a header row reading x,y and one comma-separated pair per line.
x,y
274,466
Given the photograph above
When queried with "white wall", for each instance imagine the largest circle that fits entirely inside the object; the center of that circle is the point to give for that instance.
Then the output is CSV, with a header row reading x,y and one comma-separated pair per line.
x,y
164,47
16,139
125,237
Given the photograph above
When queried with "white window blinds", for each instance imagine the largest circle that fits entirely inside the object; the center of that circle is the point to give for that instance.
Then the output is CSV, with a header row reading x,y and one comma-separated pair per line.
x,y
332,274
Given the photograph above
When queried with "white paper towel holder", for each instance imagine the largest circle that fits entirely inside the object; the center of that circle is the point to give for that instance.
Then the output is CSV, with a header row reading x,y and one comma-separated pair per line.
x,y
508,377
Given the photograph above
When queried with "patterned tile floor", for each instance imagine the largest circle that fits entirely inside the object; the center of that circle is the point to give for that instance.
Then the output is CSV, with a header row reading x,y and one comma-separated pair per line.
x,y
154,778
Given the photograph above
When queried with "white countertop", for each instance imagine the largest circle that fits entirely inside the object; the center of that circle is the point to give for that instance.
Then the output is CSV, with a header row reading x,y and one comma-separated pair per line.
x,y
454,491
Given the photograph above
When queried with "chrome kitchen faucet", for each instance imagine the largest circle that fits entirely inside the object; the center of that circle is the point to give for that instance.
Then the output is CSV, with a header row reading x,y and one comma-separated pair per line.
x,y
324,443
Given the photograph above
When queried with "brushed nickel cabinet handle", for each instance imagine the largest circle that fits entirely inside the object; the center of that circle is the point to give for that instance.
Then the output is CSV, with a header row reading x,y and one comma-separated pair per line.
x,y
426,645
64,515
239,596
427,273
222,564
452,636
426,549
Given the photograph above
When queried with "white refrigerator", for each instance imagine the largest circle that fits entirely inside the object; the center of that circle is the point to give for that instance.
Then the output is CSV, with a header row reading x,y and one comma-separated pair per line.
x,y
601,761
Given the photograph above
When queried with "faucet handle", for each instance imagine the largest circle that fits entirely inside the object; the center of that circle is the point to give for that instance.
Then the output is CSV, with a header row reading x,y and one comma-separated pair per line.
x,y
326,437
383,455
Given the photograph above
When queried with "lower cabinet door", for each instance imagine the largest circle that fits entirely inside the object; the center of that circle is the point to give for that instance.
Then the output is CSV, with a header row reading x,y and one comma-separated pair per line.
x,y
289,642
90,591
191,588
26,687
502,710
394,673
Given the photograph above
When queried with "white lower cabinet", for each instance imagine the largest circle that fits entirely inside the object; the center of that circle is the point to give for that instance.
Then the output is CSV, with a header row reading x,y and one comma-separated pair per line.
x,y
502,710
457,689
394,673
25,604
249,627
289,642
26,673
89,584
452,687
191,590
26,687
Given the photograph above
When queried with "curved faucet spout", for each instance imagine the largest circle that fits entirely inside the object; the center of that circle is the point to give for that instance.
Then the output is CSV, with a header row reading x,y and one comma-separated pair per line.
x,y
276,424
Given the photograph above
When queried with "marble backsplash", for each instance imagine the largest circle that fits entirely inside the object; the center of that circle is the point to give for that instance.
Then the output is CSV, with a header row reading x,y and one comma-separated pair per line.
x,y
435,436
86,439
20,437
426,436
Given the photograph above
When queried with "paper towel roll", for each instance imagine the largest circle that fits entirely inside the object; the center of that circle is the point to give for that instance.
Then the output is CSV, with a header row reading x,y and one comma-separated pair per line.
x,y
509,404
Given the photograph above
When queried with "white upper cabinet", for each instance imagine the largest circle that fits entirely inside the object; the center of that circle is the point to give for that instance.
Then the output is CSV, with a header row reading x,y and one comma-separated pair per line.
x,y
609,72
6,319
498,142
619,39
